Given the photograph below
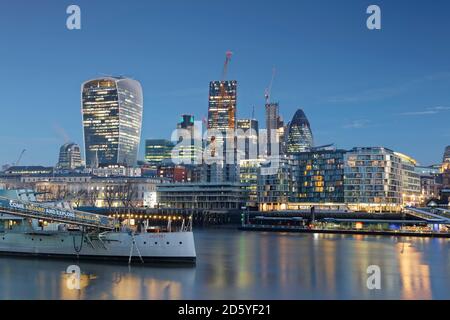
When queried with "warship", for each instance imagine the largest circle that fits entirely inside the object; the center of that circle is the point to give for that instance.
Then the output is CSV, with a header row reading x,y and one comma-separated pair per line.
x,y
55,230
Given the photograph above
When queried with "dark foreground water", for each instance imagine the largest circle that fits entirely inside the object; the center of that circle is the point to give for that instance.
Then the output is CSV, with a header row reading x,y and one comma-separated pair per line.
x,y
252,265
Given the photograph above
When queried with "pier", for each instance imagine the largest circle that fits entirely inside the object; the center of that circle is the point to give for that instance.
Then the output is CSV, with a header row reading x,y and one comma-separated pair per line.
x,y
413,222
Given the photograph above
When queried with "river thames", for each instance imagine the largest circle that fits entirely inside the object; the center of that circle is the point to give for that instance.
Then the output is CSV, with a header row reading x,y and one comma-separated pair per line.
x,y
235,264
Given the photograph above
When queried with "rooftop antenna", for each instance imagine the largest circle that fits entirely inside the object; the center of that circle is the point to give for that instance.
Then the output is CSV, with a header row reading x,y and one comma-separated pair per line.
x,y
253,112
268,90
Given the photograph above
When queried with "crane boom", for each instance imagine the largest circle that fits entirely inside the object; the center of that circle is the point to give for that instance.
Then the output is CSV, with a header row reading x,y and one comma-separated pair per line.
x,y
269,88
20,157
228,55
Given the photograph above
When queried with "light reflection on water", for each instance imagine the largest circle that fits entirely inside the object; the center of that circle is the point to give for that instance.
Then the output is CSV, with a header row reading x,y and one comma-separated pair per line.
x,y
252,265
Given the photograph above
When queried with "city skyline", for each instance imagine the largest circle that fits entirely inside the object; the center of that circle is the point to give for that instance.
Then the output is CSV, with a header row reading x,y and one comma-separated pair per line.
x,y
394,92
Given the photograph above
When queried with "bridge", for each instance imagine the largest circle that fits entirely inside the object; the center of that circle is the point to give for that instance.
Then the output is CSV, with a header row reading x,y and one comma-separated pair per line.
x,y
443,212
36,210
432,216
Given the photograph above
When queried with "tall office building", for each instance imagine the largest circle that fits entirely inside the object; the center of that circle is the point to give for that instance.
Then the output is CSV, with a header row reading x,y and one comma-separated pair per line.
x,y
69,157
186,122
158,150
222,105
275,129
112,118
247,138
189,142
446,155
221,130
299,137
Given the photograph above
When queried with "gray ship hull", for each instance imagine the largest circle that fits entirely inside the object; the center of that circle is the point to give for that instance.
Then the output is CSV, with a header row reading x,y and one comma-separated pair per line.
x,y
171,247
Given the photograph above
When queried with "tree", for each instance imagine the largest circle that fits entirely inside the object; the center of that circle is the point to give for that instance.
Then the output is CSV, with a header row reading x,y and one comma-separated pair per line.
x,y
92,196
127,194
110,195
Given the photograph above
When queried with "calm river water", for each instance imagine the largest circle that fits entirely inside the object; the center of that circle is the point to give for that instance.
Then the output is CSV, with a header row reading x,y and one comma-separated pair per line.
x,y
252,265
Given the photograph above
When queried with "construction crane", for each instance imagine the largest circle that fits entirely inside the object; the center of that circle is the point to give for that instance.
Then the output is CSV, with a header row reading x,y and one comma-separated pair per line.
x,y
231,111
268,90
228,55
222,94
20,157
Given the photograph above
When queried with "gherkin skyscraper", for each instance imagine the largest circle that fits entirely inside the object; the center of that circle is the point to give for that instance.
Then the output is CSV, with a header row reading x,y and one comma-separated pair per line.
x,y
298,135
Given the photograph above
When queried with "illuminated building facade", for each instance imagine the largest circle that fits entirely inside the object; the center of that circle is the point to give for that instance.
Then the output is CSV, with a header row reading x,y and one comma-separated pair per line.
x,y
115,171
188,149
222,105
69,157
430,183
211,196
173,172
317,177
298,134
221,124
274,184
101,192
248,175
158,150
275,129
373,180
112,110
411,189
247,135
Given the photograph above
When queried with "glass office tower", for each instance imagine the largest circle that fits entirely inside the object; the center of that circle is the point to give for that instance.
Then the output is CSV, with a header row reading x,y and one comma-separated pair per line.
x,y
189,141
221,131
157,151
299,137
248,138
112,118
275,130
222,105
69,157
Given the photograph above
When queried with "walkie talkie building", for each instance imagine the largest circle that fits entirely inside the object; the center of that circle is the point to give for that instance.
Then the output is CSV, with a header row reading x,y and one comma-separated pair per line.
x,y
112,118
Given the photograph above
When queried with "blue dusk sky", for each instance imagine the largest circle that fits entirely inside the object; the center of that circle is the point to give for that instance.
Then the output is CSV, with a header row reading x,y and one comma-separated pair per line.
x,y
388,87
